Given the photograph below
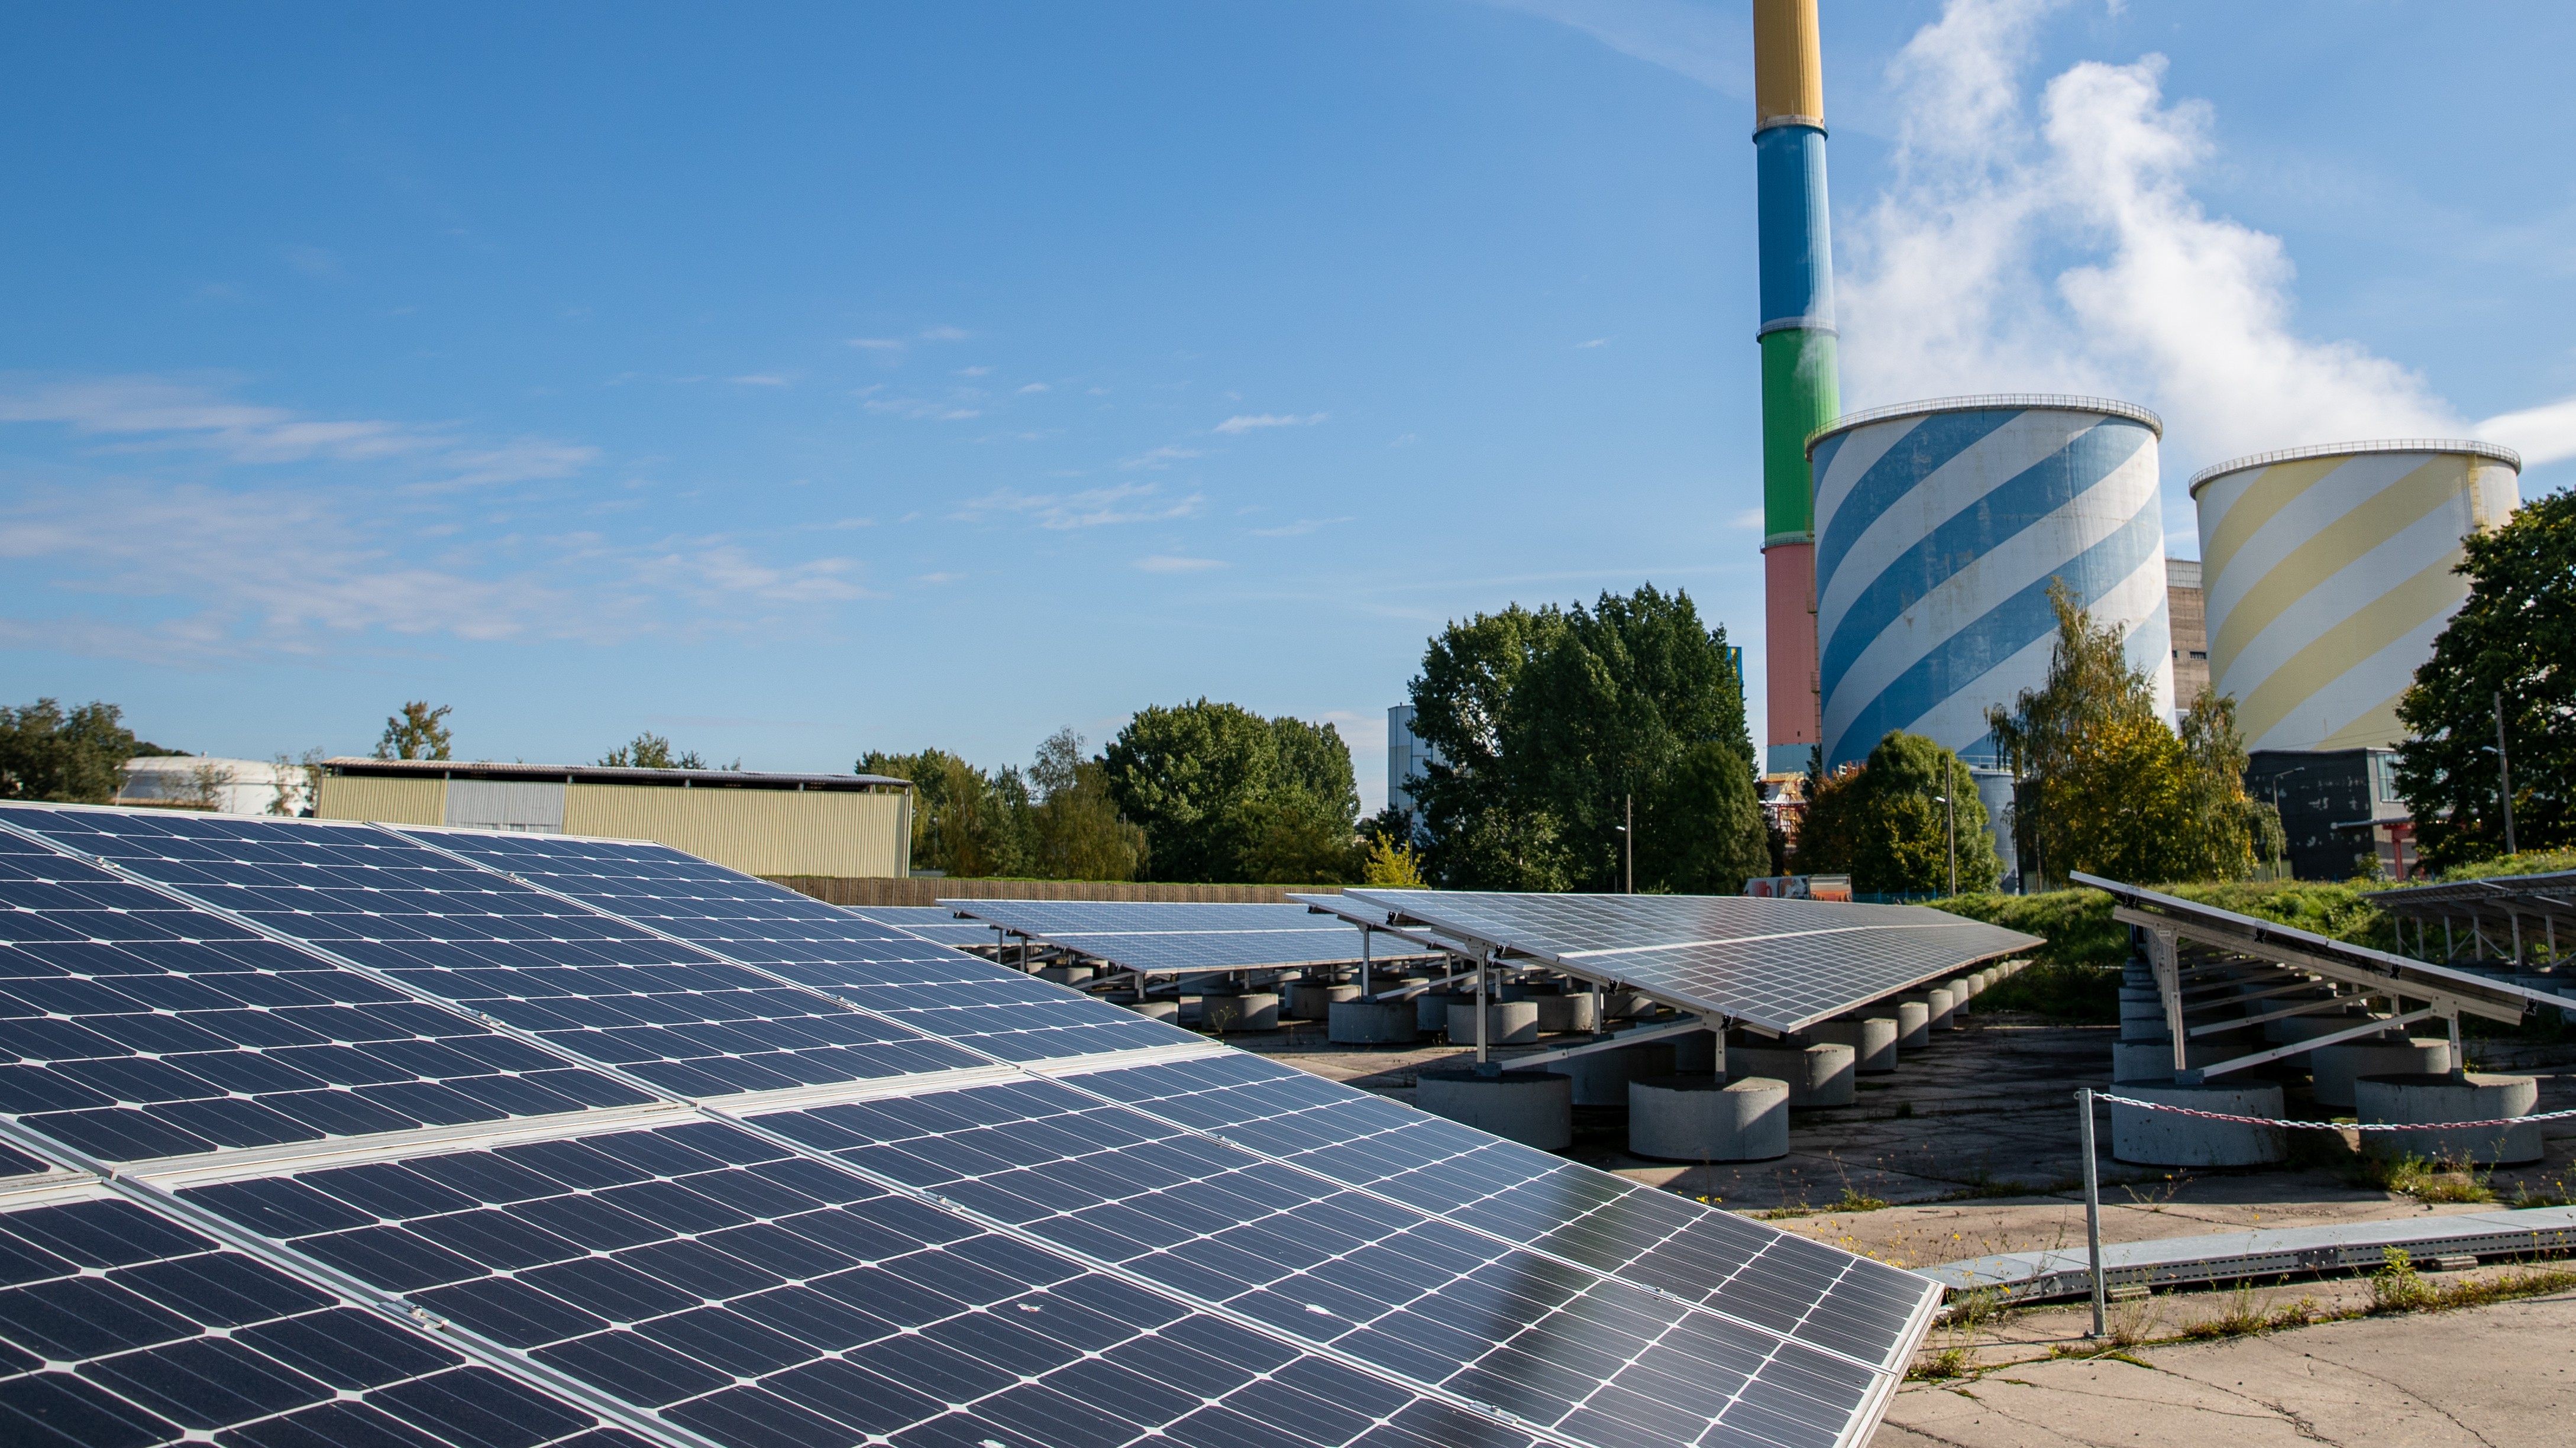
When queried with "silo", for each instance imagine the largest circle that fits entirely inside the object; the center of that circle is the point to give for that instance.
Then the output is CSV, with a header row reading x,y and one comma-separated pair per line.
x,y
2326,572
1939,528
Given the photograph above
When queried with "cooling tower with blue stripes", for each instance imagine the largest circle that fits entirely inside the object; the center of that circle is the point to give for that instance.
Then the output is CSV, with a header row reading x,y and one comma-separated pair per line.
x,y
1939,528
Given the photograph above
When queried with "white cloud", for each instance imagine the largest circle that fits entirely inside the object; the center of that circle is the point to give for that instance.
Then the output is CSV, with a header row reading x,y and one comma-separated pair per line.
x,y
1268,419
1749,518
1034,387
762,379
2540,434
1167,563
1595,342
1161,457
196,414
1090,508
878,344
1298,529
521,461
920,409
2070,255
713,568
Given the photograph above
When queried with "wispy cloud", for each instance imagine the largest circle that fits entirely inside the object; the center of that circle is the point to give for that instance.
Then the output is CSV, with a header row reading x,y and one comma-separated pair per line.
x,y
1248,423
1748,518
714,567
974,371
1090,508
2540,434
515,462
762,379
1298,529
945,334
878,344
920,409
1169,563
1161,457
1595,342
1034,387
1710,44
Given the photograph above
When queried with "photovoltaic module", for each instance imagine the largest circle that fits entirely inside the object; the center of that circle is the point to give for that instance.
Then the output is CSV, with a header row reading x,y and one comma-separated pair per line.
x,y
315,1132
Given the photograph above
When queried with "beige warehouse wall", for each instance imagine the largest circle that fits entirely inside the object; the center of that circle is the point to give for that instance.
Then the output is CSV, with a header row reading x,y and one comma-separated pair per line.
x,y
389,801
757,831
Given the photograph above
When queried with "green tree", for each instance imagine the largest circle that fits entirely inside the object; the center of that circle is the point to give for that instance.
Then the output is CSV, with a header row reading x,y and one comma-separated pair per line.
x,y
1079,834
2514,638
74,756
964,822
418,732
648,750
1560,726
1224,794
1393,864
2103,785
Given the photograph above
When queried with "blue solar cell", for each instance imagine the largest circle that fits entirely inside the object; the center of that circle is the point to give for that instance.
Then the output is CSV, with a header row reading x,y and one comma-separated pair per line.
x,y
758,1296
1550,1340
940,992
119,1327
165,1032
592,985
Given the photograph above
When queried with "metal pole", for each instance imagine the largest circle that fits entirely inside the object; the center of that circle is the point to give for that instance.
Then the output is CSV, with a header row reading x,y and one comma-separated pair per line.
x,y
1484,970
1364,963
2459,1063
2450,951
2504,774
1629,833
1950,828
2092,1203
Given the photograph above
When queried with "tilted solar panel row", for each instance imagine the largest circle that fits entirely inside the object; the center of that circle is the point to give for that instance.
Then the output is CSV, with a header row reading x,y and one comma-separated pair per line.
x,y
1559,1313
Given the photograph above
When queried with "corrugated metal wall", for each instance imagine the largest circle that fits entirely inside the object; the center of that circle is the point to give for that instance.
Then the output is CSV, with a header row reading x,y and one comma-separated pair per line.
x,y
390,801
758,831
930,892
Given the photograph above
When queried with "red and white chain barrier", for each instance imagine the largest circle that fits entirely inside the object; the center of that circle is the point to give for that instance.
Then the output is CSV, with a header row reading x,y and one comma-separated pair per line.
x,y
2331,1125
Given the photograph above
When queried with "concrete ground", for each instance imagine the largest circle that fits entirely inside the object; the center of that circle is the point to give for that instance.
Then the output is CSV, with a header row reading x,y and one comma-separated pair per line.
x,y
1970,1148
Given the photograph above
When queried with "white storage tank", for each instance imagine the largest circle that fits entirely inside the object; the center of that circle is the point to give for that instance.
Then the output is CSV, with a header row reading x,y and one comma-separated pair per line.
x,y
2327,574
1939,528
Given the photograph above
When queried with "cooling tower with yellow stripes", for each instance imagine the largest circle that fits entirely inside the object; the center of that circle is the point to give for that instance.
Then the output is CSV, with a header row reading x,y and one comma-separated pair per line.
x,y
2327,573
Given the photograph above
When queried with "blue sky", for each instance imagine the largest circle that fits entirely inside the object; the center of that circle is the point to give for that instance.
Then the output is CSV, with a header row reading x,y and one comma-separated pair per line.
x,y
796,381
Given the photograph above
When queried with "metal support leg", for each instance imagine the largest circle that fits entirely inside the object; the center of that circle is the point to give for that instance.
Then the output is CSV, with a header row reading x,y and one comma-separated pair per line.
x,y
2092,1202
2516,918
2164,958
1484,1013
2450,951
2459,1062
1365,988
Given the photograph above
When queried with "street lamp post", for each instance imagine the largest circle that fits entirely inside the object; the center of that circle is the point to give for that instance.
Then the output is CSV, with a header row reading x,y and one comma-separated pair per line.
x,y
2504,774
1950,831
1628,844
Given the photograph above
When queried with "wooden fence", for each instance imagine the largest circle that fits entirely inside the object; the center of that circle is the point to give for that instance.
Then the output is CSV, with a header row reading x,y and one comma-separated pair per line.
x,y
840,890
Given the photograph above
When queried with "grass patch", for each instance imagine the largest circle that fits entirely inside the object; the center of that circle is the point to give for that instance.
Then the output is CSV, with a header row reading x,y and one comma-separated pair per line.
x,y
1939,1367
2240,1313
2553,1193
2398,1287
2424,1179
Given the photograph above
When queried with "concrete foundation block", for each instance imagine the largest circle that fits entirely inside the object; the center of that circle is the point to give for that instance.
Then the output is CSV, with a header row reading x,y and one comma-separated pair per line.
x,y
1534,1108
1371,1023
1566,1013
2160,1138
1066,974
1942,1006
1250,1011
1313,1000
1820,1075
1913,1026
2153,1060
1507,1023
2334,1069
1619,1005
1960,992
1601,1078
1705,1118
1871,1037
1158,1010
2444,1097
1431,1009
1698,1053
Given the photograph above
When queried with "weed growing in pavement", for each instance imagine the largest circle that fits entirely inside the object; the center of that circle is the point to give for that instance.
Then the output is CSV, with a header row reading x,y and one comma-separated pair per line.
x,y
1973,1310
2426,1180
2135,1320
1941,1366
2397,1286
2555,1193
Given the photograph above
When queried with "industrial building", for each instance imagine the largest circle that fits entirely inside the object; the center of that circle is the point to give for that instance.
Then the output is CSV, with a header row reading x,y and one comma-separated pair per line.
x,y
1408,758
1941,527
848,825
2187,618
225,786
2330,571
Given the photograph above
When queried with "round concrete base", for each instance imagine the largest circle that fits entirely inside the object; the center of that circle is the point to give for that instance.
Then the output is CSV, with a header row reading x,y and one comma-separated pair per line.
x,y
2153,1060
1250,1011
2336,1068
1371,1023
1566,1013
1431,1009
1507,1023
1942,1006
1313,1000
1913,1026
2445,1097
1158,1010
1622,1004
1699,1053
2160,1138
1960,992
1601,1078
1701,1118
1819,1075
1872,1039
1534,1108
1065,974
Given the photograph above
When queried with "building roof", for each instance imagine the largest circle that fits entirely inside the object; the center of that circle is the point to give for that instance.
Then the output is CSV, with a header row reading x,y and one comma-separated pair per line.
x,y
605,774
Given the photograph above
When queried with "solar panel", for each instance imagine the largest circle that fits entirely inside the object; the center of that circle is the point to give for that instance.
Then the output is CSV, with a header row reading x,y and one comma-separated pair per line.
x,y
758,1296
119,1326
941,992
136,1028
930,922
593,985
1780,964
1473,1313
1161,936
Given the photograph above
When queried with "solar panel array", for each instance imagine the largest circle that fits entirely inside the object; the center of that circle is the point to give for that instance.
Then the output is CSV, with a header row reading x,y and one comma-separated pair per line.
x,y
1177,936
930,922
427,1136
1779,964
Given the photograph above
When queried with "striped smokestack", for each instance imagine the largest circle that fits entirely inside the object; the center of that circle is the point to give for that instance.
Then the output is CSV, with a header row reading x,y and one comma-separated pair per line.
x,y
1799,392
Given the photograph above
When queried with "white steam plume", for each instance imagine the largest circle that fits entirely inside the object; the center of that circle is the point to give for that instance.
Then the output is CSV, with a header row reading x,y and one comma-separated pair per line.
x,y
2071,256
